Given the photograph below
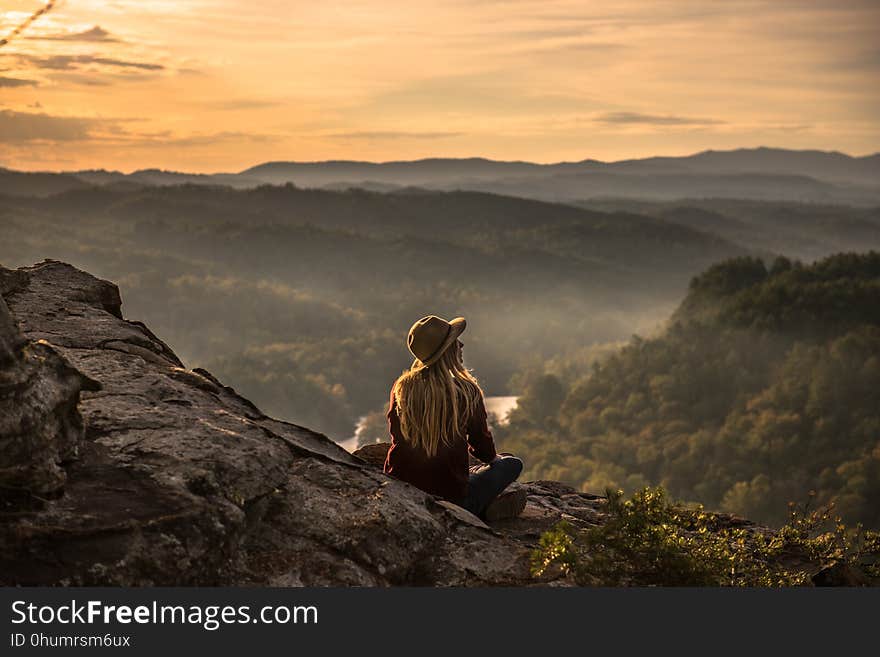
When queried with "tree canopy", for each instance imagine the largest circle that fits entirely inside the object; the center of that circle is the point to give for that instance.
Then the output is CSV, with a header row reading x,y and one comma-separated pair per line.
x,y
764,386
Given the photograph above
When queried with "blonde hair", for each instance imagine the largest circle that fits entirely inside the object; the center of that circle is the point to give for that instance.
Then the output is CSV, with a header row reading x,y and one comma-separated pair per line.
x,y
435,402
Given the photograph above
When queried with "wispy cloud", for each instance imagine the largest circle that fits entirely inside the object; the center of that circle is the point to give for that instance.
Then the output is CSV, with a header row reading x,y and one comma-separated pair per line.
x,y
243,104
636,118
94,34
73,62
213,138
392,134
16,82
21,128
18,127
84,79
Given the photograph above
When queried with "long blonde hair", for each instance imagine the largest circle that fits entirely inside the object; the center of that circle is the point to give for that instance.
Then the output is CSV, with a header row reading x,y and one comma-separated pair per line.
x,y
435,402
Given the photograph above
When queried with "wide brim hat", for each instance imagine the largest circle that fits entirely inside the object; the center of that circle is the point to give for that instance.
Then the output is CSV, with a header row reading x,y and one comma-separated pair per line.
x,y
431,336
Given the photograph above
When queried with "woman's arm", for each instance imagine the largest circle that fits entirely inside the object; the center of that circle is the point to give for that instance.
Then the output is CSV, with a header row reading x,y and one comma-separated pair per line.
x,y
480,442
394,432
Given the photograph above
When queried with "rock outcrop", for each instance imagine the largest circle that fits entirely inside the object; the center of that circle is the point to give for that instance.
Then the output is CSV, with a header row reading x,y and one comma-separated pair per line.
x,y
119,466
170,477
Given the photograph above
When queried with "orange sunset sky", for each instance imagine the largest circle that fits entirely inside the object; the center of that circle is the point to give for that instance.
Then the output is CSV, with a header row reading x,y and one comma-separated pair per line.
x,y
220,85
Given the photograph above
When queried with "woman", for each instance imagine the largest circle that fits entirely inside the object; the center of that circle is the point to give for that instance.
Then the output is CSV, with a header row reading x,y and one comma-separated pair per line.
x,y
436,417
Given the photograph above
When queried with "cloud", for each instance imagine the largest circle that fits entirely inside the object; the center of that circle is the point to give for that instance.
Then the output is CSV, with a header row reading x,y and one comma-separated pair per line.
x,y
205,139
26,129
18,127
498,93
392,134
791,127
244,103
74,62
647,12
866,60
16,82
85,79
636,118
568,46
23,128
94,34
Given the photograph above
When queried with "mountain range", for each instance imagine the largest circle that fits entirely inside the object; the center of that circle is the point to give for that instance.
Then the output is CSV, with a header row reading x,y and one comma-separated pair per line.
x,y
754,173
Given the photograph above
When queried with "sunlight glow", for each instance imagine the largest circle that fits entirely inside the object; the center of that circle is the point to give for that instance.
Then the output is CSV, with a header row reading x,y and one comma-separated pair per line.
x,y
220,85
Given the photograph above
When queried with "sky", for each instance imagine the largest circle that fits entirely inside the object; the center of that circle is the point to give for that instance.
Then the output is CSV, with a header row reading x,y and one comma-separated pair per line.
x,y
221,85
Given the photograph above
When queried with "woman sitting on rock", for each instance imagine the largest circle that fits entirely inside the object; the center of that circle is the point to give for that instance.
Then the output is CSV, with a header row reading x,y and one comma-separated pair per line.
x,y
437,417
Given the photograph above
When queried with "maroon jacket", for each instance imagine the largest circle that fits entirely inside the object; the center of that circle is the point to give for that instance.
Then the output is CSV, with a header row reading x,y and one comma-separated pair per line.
x,y
446,473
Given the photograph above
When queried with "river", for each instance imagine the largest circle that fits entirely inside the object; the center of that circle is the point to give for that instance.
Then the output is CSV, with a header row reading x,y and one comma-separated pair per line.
x,y
499,406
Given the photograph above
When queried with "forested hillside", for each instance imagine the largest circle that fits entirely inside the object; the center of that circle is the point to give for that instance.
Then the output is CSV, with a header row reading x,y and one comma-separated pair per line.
x,y
301,299
765,386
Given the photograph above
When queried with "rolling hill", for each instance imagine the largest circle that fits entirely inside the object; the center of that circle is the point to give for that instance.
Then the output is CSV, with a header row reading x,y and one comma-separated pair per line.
x,y
756,173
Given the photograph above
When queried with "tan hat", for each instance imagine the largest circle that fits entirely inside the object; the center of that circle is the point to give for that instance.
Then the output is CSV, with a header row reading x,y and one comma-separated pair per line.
x,y
430,336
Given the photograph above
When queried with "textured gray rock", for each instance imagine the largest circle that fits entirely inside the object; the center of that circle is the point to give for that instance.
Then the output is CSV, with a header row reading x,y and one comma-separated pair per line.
x,y
547,503
40,425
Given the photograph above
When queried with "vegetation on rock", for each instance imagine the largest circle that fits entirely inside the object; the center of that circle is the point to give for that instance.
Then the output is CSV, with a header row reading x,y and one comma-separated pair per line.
x,y
648,540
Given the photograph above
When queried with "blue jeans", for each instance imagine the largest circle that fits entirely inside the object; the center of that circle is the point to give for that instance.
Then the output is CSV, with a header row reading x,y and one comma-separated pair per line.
x,y
486,482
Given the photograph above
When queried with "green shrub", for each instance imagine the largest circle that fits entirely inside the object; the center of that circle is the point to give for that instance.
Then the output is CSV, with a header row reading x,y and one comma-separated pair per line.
x,y
649,540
